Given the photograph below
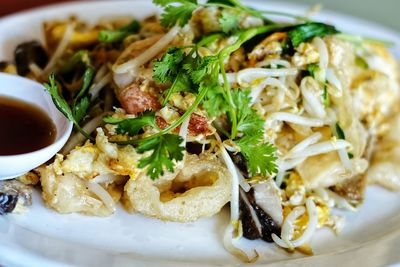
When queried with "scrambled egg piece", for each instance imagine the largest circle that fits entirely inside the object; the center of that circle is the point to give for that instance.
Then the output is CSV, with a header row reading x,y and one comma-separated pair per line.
x,y
65,183
296,193
305,54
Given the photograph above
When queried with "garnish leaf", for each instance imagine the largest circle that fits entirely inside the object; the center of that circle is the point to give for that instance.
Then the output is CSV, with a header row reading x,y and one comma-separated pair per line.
x,y
166,69
313,69
58,100
165,149
339,131
82,99
113,36
260,156
87,80
80,57
63,106
176,11
325,97
165,3
182,83
81,108
215,102
305,32
200,67
361,63
229,21
132,126
248,120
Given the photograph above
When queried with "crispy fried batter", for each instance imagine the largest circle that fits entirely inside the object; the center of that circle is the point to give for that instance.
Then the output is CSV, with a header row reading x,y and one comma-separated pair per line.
x,y
200,189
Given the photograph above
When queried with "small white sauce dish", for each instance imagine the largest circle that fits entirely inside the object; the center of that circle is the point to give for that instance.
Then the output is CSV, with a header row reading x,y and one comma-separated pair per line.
x,y
26,90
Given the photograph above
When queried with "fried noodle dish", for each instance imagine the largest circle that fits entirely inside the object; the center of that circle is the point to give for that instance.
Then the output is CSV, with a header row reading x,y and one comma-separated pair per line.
x,y
213,103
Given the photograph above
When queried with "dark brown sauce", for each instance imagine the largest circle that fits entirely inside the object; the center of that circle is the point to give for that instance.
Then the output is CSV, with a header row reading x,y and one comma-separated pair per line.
x,y
23,127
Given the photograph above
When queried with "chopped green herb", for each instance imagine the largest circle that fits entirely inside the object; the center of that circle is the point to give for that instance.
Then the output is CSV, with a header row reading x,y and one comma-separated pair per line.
x,y
167,68
307,31
132,126
361,63
113,36
260,155
201,67
63,106
80,57
81,103
249,122
313,69
165,149
215,102
325,97
339,131
176,11
229,21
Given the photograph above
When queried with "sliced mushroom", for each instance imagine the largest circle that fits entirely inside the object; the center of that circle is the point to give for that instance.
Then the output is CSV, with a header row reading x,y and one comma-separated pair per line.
x,y
261,212
28,53
7,202
13,196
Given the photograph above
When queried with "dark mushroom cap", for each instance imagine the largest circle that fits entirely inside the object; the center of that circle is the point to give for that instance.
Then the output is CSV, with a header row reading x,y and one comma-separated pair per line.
x,y
27,53
250,229
7,202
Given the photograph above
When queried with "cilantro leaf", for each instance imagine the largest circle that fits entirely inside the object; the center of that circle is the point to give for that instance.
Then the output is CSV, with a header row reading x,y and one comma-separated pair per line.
x,y
182,83
176,11
87,80
215,102
200,67
82,100
166,69
113,36
229,21
58,100
248,120
132,126
80,57
165,149
305,32
80,108
165,3
260,156
63,106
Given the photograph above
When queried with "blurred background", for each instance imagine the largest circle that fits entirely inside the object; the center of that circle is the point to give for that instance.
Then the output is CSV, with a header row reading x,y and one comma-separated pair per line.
x,y
381,11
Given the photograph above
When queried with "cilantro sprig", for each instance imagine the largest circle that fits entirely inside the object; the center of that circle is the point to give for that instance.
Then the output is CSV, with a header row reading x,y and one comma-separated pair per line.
x,y
165,149
132,126
305,32
176,11
260,155
74,113
117,35
179,12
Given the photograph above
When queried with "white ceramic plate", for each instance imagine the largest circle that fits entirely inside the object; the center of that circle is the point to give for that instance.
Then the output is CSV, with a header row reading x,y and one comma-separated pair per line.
x,y
45,238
